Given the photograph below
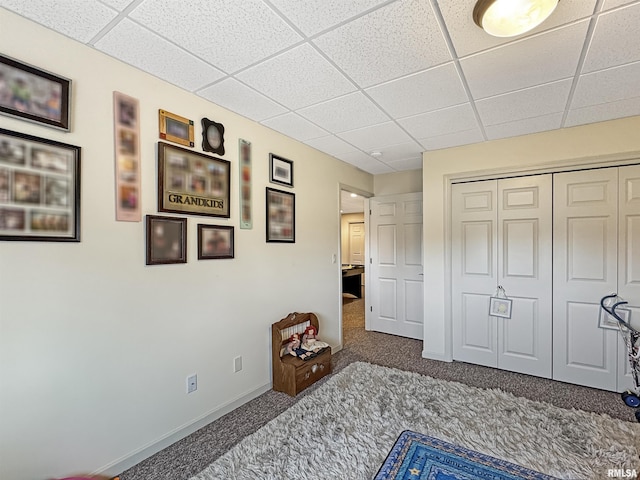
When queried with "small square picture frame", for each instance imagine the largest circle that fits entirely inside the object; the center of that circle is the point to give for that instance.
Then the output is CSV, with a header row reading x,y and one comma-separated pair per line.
x,y
215,242
280,170
175,128
500,307
607,322
166,240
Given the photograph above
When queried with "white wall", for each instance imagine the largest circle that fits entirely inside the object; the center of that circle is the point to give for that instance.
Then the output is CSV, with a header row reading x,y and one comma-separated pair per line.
x,y
570,146
95,347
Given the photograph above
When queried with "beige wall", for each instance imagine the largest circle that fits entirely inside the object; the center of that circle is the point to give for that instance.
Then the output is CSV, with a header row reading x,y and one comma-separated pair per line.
x,y
602,142
95,347
397,183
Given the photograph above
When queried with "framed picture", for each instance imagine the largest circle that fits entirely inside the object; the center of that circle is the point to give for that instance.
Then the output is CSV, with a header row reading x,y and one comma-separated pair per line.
x,y
212,136
127,157
190,182
175,128
39,189
281,216
280,170
246,213
500,307
607,321
166,240
215,241
32,94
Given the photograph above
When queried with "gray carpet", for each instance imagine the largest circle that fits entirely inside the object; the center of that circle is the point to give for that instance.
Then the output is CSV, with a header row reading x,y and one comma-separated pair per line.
x,y
194,453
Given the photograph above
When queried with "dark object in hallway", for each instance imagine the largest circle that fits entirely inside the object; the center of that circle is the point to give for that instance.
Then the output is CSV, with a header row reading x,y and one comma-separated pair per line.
x,y
352,280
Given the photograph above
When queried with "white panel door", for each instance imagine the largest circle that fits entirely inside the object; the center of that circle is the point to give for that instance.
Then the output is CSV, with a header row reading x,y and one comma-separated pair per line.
x,y
356,243
585,269
628,260
525,221
395,230
474,277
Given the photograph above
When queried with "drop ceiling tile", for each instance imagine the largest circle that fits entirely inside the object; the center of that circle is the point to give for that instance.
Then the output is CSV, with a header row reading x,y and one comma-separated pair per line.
x,y
440,122
414,163
520,65
455,139
143,49
615,40
403,151
332,145
118,4
282,78
432,89
226,33
468,38
314,16
609,4
607,86
603,112
239,98
295,126
366,163
78,20
527,103
401,38
525,126
376,137
349,112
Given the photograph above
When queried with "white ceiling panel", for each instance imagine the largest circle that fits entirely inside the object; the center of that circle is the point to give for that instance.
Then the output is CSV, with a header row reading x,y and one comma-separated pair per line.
x,y
541,59
398,39
616,39
239,98
527,103
295,126
314,16
226,33
138,46
414,163
432,89
79,20
282,79
350,77
376,136
351,111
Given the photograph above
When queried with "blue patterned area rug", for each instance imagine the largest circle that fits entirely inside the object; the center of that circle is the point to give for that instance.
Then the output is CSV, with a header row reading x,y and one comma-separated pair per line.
x,y
415,456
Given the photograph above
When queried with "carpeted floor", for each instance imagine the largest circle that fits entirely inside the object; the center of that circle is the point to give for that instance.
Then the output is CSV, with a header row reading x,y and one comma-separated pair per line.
x,y
195,452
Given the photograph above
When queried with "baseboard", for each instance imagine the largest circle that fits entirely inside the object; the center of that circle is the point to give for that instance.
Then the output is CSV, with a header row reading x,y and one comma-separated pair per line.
x,y
436,356
124,463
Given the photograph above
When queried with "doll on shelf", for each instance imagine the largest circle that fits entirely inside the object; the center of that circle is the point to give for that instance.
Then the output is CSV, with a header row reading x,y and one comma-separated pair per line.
x,y
294,348
310,342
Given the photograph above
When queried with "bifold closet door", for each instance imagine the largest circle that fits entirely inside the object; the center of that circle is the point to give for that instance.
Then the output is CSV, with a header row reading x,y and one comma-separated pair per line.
x,y
585,269
501,235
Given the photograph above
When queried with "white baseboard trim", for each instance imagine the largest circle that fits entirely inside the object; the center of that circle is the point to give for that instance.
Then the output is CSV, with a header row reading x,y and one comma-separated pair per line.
x,y
436,356
124,463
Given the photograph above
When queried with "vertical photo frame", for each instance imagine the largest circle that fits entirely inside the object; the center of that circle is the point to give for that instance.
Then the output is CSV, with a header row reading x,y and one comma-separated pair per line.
x,y
246,193
126,129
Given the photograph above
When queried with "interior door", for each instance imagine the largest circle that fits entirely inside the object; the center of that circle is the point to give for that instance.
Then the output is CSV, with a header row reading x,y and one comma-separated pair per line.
x,y
395,230
585,269
356,243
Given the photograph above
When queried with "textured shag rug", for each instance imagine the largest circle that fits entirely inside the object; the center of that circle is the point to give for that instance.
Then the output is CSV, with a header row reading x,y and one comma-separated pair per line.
x,y
345,429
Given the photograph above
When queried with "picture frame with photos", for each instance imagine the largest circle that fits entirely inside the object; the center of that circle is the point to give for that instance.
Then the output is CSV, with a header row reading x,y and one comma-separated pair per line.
x,y
500,307
39,189
175,128
281,216
166,240
280,170
33,94
215,241
126,128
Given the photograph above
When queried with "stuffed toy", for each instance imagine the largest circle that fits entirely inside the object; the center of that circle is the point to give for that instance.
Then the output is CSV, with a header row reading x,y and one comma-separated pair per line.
x,y
310,342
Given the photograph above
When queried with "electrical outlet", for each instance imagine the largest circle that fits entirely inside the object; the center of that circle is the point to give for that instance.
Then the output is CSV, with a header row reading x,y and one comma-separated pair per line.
x,y
237,364
192,383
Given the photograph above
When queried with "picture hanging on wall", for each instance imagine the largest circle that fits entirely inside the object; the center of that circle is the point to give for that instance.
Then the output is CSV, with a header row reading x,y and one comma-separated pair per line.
x,y
212,137
191,182
166,240
215,241
246,217
39,189
280,170
32,94
281,216
175,128
127,157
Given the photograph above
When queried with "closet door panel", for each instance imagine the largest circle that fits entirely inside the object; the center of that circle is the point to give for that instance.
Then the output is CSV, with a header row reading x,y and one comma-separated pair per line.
x,y
585,269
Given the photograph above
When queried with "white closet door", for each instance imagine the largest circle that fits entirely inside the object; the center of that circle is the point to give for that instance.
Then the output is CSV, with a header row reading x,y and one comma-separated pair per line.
x,y
585,269
474,276
628,260
525,271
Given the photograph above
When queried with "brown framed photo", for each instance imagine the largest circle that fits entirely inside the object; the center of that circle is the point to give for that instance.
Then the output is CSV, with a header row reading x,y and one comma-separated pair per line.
x,y
215,241
193,183
175,128
166,240
280,170
212,136
33,94
39,189
281,216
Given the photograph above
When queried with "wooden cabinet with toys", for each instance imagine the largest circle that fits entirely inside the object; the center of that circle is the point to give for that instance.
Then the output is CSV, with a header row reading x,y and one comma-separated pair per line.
x,y
299,359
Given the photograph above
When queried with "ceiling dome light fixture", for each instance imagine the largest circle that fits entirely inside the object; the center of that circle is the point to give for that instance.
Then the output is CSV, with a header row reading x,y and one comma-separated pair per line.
x,y
508,18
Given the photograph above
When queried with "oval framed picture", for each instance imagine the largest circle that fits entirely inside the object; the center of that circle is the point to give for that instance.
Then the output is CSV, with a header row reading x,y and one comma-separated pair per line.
x,y
212,136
